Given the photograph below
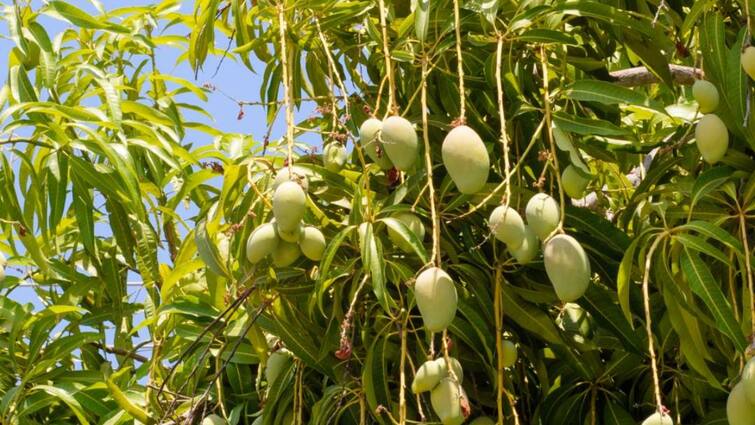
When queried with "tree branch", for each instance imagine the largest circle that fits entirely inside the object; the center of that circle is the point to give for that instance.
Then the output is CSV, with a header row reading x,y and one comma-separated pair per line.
x,y
641,76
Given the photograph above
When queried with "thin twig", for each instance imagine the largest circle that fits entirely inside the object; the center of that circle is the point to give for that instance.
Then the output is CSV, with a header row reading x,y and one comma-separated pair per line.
x,y
460,64
392,107
286,88
649,325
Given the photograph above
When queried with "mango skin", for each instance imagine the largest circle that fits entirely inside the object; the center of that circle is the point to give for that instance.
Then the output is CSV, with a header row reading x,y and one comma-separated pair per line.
x,y
285,254
213,420
293,236
573,182
432,371
415,226
712,138
262,241
528,249
507,226
657,419
543,215
748,61
312,243
436,298
748,380
300,176
482,420
289,205
567,266
276,362
445,399
466,159
368,137
706,95
400,142
510,353
739,410
334,156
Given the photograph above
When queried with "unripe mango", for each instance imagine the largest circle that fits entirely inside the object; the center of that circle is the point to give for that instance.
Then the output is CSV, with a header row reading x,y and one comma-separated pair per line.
x,y
275,364
312,243
400,142
368,137
509,353
567,266
748,380
712,138
285,254
432,371
436,298
300,175
482,420
261,242
294,235
528,249
507,226
466,159
413,223
706,95
3,262
574,182
543,215
446,401
739,410
289,205
658,419
334,156
748,61
213,420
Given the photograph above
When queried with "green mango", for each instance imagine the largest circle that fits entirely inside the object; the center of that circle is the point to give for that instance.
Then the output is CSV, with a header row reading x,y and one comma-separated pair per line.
x,y
400,142
435,294
466,159
567,267
432,371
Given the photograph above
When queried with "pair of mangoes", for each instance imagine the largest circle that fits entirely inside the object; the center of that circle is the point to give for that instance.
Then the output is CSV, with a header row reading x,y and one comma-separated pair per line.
x,y
436,298
286,238
740,406
447,397
566,262
711,135
390,143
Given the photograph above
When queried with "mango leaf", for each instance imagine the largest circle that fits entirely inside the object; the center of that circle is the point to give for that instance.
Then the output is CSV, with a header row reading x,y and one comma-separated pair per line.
x,y
704,285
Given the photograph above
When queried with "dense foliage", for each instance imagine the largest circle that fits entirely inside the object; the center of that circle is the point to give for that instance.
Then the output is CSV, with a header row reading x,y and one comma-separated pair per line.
x,y
102,183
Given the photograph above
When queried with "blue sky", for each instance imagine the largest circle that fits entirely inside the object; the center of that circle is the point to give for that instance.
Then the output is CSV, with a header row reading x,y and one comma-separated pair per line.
x,y
232,78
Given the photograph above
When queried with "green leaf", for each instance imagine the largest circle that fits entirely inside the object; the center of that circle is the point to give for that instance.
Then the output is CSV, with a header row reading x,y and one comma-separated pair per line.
x,y
609,94
407,236
586,126
208,252
82,19
374,264
704,285
543,35
529,317
376,375
66,398
599,302
707,182
421,18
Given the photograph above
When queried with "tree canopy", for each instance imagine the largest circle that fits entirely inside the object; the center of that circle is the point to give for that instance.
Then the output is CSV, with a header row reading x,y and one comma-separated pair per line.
x,y
103,182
